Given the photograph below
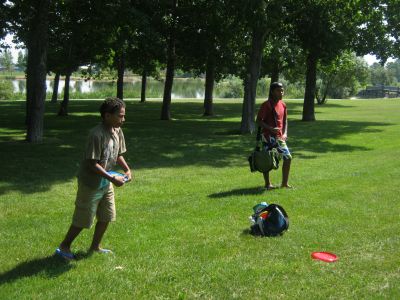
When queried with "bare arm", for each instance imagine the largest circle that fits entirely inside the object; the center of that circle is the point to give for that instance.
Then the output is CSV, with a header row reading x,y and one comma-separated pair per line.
x,y
123,164
99,170
285,126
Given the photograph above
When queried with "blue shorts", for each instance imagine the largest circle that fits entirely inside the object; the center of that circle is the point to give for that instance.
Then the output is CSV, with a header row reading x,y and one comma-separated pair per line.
x,y
280,145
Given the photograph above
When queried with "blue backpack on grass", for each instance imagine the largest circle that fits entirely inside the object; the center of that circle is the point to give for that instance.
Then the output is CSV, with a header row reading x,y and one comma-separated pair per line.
x,y
269,220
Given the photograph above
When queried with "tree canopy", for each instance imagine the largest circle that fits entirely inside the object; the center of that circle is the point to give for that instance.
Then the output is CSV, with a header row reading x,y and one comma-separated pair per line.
x,y
215,38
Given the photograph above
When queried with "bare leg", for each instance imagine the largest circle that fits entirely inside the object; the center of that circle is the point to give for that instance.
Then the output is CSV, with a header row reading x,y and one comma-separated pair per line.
x,y
72,233
267,181
285,173
99,231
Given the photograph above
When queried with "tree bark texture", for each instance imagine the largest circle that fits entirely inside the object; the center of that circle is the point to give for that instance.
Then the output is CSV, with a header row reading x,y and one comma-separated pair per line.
x,y
275,73
323,100
169,76
250,82
36,72
144,84
55,88
64,104
169,80
209,86
120,80
311,82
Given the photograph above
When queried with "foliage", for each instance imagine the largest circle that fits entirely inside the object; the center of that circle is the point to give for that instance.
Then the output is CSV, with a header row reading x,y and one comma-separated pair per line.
x,y
231,87
6,89
6,60
373,33
393,23
3,19
324,29
380,75
76,34
22,60
207,38
145,51
293,36
182,225
342,77
394,70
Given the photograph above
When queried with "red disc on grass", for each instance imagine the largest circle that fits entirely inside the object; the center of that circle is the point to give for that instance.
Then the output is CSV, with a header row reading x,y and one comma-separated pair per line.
x,y
324,256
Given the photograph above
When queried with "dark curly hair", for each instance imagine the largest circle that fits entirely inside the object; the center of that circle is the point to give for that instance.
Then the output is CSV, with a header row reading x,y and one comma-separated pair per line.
x,y
273,86
111,105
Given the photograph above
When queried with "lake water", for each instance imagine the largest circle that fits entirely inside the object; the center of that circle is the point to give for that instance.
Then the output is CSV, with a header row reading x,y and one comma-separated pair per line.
x,y
182,88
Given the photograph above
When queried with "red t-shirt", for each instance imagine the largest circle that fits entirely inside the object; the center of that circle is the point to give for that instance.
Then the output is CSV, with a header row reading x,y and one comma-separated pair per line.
x,y
266,115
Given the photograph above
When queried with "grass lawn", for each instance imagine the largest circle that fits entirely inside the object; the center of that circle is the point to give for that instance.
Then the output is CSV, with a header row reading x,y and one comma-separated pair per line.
x,y
182,225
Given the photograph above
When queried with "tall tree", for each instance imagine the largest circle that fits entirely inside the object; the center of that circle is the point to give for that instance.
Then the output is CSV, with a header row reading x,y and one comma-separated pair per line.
x,y
21,60
394,69
6,60
56,83
279,56
4,9
341,78
146,52
29,22
325,29
79,32
380,75
171,60
261,21
373,34
36,70
393,23
205,41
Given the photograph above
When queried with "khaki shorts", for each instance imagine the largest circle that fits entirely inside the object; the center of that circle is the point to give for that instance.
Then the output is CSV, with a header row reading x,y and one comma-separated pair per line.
x,y
93,202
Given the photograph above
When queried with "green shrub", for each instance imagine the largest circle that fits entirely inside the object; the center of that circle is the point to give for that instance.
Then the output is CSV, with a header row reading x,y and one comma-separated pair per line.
x,y
6,90
229,88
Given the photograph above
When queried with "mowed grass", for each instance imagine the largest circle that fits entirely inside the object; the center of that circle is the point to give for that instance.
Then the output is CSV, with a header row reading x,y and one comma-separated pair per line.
x,y
182,224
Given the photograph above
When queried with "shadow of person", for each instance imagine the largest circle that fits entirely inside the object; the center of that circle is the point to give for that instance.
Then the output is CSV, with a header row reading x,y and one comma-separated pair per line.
x,y
51,266
239,192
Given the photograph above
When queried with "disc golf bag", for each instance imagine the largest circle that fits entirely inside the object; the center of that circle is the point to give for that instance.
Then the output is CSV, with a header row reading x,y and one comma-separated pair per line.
x,y
264,160
269,220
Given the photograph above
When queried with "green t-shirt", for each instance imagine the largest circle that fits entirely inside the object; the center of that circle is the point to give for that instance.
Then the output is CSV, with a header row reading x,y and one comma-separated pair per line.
x,y
103,146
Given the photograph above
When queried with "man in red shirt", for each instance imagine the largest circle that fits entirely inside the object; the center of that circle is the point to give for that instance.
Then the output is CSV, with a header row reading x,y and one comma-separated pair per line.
x,y
272,118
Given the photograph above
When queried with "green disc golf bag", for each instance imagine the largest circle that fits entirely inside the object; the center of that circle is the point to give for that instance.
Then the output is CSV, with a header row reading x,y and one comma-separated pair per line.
x,y
264,160
269,220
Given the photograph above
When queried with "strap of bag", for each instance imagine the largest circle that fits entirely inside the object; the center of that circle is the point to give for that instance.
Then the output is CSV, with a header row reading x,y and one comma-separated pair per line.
x,y
258,139
274,114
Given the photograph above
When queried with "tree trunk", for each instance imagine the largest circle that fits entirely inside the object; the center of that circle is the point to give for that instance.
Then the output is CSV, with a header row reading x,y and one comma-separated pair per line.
x,y
144,83
36,72
120,80
250,82
322,100
209,85
169,80
311,81
55,88
169,76
64,104
275,72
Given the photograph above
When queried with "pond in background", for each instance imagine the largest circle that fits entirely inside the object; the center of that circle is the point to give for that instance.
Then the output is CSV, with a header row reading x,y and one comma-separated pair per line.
x,y
182,88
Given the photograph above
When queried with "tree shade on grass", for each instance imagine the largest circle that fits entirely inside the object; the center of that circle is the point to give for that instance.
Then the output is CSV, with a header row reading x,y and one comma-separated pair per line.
x,y
182,227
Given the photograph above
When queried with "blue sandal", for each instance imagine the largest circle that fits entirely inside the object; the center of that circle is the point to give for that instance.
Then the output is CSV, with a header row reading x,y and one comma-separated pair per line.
x,y
63,254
